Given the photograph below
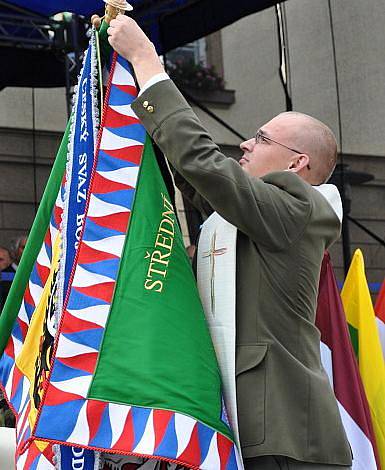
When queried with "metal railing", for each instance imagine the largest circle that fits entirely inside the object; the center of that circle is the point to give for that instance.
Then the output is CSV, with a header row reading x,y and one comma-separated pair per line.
x,y
31,31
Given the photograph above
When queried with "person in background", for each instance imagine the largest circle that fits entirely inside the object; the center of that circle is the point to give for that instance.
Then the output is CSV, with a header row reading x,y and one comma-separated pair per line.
x,y
7,273
191,251
17,248
7,419
5,258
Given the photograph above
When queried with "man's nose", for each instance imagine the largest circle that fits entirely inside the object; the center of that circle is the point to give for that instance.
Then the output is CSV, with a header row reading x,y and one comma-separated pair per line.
x,y
248,145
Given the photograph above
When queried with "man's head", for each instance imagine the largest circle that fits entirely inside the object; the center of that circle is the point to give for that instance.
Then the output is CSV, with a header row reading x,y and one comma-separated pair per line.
x,y
18,245
5,258
292,142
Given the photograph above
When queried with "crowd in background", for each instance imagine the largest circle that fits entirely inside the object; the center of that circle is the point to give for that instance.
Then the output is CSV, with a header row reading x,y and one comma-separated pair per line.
x,y
9,261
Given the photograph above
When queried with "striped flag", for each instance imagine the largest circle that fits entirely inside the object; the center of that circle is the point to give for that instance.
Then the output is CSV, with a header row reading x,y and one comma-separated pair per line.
x,y
339,362
31,275
366,343
379,310
109,349
32,312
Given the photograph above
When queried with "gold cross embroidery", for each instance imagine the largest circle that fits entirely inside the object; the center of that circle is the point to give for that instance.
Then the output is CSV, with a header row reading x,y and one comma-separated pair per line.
x,y
212,253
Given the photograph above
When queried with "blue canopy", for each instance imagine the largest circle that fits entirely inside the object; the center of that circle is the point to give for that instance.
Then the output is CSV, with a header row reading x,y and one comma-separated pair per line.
x,y
88,7
50,7
169,24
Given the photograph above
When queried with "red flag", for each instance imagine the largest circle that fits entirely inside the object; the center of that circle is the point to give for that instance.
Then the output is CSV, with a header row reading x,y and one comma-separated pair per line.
x,y
339,362
380,316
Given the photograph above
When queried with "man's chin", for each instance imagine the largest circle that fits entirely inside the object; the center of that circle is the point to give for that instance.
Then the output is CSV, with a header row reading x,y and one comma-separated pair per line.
x,y
246,168
243,163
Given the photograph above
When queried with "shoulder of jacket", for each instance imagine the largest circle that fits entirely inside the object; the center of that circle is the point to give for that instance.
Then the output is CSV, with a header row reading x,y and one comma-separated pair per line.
x,y
291,183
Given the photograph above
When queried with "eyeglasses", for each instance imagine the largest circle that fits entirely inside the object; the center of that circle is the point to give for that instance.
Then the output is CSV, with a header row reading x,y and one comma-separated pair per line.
x,y
261,138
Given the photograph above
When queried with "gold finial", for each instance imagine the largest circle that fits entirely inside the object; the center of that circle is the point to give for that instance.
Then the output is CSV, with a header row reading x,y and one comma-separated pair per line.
x,y
114,7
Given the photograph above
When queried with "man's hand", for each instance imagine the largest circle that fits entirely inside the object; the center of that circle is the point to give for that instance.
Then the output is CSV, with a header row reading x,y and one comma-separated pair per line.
x,y
126,37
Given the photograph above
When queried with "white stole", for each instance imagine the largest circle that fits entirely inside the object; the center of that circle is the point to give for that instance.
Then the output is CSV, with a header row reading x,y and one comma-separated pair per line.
x,y
216,270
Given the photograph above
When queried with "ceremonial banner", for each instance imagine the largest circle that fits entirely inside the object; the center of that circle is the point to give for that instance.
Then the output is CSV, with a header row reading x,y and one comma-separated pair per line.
x,y
366,343
340,364
379,310
32,274
27,358
110,350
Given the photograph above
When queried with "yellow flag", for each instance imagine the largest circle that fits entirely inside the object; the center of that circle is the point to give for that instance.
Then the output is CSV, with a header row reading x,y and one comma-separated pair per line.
x,y
365,338
35,354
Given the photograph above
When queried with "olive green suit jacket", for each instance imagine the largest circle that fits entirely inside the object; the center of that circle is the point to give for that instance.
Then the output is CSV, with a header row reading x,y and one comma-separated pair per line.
x,y
285,403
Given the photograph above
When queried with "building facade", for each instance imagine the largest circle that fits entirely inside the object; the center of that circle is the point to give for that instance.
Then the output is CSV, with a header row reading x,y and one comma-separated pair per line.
x,y
327,57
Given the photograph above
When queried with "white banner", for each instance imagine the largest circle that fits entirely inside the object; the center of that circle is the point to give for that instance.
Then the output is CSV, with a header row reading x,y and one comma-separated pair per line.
x,y
7,448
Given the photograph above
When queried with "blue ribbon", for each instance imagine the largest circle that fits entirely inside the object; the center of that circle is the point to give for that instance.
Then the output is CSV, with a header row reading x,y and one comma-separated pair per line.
x,y
78,185
82,162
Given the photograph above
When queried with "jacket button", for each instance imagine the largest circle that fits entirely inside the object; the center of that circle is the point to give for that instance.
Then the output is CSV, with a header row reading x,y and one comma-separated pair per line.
x,y
145,104
150,109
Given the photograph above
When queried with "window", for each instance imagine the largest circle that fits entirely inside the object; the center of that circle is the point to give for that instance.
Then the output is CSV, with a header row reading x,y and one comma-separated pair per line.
x,y
194,51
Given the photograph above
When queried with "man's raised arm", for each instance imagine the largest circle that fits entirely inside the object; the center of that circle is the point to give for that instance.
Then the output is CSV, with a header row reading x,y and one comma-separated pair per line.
x,y
126,37
272,210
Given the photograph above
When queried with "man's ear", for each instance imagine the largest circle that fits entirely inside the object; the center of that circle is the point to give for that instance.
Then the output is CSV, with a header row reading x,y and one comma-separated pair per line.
x,y
298,162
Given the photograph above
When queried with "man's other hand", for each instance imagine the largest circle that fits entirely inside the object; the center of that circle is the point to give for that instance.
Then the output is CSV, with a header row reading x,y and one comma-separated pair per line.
x,y
128,39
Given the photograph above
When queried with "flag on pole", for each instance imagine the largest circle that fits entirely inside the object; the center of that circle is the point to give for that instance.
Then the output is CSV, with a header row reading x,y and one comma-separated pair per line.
x,y
109,349
31,275
340,364
379,310
36,294
366,343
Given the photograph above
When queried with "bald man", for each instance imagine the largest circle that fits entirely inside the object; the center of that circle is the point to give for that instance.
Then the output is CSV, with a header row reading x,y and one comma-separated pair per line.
x,y
284,218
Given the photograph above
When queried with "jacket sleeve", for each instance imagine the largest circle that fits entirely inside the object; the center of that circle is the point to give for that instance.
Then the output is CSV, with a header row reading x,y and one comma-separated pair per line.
x,y
190,193
272,211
